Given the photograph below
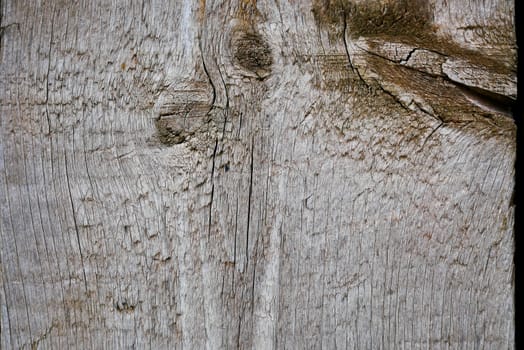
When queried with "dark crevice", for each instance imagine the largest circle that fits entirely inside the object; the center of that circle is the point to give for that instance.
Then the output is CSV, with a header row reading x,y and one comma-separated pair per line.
x,y
226,111
208,75
253,284
249,199
213,100
394,97
227,102
3,29
212,189
235,248
403,61
372,53
408,57
518,188
47,74
430,135
241,117
487,99
35,344
487,260
77,231
239,329
344,35
398,101
433,115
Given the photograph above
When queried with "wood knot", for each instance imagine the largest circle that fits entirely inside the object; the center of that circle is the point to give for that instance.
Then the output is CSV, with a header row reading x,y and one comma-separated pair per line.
x,y
181,113
252,53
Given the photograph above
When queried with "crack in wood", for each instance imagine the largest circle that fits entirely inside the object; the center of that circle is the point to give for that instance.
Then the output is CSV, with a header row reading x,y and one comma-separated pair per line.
x,y
212,189
249,197
74,214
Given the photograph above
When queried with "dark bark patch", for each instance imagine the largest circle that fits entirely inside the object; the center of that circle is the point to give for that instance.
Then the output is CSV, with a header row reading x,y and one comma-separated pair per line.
x,y
379,17
398,18
331,12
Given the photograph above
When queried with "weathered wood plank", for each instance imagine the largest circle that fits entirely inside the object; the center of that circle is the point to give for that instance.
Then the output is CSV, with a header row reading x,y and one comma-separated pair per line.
x,y
257,174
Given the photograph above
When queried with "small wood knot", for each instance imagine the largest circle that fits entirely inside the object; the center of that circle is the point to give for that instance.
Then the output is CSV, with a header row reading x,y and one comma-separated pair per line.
x,y
182,113
253,54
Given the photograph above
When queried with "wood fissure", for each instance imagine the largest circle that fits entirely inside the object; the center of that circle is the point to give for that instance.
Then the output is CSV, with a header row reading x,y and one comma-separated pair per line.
x,y
211,179
74,216
47,74
249,198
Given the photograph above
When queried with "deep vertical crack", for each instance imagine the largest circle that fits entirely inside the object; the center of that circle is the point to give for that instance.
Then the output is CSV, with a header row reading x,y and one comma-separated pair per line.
x,y
212,189
249,199
74,220
207,74
235,248
47,73
346,47
431,134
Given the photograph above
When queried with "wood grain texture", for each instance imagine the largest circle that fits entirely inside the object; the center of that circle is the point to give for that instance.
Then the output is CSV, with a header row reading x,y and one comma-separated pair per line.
x,y
256,174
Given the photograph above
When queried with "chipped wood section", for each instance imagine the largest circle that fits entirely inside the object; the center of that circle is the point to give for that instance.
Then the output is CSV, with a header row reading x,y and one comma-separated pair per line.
x,y
485,76
341,182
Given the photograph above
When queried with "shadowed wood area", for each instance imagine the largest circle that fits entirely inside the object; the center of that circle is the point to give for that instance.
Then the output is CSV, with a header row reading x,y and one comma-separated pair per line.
x,y
237,174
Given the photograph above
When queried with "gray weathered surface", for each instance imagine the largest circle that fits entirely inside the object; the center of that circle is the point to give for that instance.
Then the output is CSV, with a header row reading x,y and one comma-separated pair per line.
x,y
256,174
